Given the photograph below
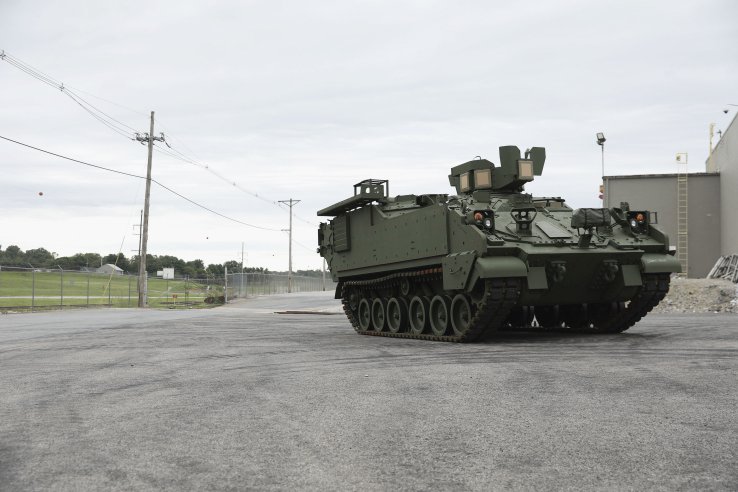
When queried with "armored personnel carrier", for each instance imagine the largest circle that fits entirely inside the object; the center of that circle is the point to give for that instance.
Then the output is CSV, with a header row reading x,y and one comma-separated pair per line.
x,y
459,267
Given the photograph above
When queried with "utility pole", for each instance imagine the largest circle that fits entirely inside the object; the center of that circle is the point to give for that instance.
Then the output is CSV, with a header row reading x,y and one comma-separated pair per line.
x,y
142,279
140,229
291,203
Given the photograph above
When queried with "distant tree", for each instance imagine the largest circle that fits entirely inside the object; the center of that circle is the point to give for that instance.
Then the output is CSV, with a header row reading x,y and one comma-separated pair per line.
x,y
117,259
168,261
13,256
78,261
194,269
39,257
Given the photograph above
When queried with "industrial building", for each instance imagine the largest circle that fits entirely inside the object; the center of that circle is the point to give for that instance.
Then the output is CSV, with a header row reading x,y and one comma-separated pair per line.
x,y
699,211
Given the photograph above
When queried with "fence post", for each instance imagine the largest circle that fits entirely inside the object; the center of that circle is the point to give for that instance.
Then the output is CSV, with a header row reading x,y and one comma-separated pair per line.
x,y
225,286
61,296
110,289
129,291
33,288
88,288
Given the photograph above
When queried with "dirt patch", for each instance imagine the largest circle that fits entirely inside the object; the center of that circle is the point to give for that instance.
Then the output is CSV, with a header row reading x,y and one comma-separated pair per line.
x,y
700,295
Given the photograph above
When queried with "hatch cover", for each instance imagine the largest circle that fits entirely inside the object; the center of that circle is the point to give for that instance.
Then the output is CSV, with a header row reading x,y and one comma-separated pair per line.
x,y
553,231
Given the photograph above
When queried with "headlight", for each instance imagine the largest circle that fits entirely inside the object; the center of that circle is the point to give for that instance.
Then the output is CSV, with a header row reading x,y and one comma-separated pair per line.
x,y
484,219
638,221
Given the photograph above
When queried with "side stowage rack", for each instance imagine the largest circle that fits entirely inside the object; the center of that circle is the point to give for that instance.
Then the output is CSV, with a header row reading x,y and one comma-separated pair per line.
x,y
365,192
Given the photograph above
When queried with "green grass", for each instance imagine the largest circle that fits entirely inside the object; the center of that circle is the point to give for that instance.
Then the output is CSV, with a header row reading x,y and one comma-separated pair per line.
x,y
82,289
43,290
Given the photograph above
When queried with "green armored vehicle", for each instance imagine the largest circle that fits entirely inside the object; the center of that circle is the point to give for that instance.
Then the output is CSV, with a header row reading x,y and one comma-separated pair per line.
x,y
460,267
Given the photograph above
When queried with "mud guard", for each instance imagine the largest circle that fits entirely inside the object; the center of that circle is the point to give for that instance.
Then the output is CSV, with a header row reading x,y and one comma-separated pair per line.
x,y
660,263
339,291
497,267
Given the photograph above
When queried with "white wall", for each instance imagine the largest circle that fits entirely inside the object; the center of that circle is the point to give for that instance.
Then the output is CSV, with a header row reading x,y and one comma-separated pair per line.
x,y
725,157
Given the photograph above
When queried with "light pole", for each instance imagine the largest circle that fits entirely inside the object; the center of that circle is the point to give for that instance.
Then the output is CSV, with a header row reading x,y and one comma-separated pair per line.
x,y
601,142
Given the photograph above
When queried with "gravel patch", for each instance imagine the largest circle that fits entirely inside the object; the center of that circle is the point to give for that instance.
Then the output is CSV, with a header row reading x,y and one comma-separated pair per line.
x,y
700,295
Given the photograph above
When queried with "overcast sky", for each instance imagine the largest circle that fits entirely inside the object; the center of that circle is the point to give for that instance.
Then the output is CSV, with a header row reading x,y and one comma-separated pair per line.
x,y
292,99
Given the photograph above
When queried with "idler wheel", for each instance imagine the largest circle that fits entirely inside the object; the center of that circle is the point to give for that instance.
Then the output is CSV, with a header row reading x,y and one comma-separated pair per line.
x,y
353,300
397,318
440,315
365,315
379,314
461,314
418,312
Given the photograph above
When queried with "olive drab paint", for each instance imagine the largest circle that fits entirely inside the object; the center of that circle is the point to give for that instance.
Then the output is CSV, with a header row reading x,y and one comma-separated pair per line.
x,y
459,267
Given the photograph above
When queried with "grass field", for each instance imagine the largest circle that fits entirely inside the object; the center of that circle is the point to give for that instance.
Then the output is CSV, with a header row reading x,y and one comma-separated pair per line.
x,y
47,289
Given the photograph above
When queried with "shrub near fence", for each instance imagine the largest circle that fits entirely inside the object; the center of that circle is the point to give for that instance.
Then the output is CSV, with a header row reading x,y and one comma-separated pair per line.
x,y
29,289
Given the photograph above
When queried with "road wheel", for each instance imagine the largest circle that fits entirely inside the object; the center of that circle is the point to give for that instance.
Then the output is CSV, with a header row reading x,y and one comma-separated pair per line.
x,y
461,314
397,317
418,312
379,314
365,315
440,308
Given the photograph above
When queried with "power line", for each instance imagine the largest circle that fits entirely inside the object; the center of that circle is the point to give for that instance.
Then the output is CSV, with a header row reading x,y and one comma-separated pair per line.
x,y
100,115
170,190
126,130
183,157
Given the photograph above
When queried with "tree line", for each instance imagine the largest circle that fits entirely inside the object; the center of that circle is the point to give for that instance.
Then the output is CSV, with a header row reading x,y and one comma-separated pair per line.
x,y
13,256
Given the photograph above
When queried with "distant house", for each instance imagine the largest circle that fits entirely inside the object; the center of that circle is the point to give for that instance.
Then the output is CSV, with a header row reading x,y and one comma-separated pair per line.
x,y
110,269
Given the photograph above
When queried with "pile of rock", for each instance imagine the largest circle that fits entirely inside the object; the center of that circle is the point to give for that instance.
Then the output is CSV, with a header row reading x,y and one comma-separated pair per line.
x,y
700,295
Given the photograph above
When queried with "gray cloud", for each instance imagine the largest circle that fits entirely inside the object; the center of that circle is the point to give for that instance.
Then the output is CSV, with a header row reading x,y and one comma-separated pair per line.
x,y
295,99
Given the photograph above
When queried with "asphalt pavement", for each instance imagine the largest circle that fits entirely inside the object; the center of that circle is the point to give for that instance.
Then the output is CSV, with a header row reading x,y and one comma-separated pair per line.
x,y
241,398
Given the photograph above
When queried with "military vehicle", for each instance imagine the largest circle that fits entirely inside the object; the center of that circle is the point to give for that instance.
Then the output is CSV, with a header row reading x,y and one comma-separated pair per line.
x,y
460,267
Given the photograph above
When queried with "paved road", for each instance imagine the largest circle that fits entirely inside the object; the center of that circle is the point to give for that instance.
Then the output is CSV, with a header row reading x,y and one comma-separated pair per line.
x,y
241,398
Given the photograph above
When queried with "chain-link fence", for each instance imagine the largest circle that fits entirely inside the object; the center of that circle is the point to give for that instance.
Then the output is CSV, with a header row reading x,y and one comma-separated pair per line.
x,y
258,284
34,289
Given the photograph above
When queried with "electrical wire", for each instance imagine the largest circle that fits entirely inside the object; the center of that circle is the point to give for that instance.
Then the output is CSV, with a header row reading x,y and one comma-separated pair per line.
x,y
109,121
128,131
170,190
176,154
173,152
307,248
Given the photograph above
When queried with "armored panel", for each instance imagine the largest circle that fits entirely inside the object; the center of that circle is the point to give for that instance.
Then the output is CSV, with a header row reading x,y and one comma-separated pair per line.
x,y
379,239
553,231
341,233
